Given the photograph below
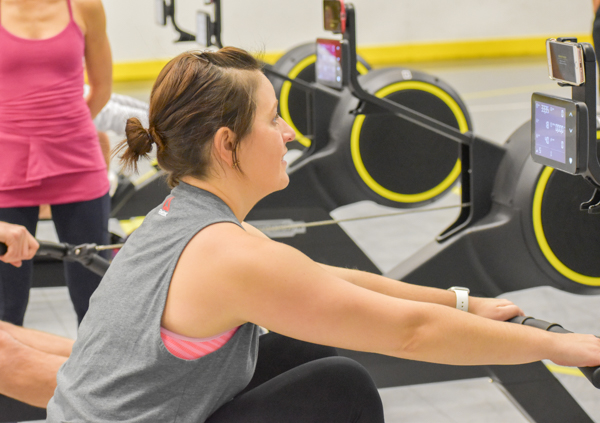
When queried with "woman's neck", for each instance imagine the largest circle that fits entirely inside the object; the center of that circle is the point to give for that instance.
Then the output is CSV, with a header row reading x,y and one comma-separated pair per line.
x,y
236,198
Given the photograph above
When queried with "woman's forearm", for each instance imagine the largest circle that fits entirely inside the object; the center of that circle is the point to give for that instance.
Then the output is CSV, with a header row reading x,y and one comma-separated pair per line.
x,y
448,336
97,99
497,309
393,288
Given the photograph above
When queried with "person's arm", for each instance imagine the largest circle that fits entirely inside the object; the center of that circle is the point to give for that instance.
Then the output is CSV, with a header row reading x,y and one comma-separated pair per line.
x,y
21,244
493,308
251,279
98,59
595,4
497,309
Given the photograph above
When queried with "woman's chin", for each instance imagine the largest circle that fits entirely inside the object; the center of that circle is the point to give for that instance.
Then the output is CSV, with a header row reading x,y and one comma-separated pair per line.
x,y
284,183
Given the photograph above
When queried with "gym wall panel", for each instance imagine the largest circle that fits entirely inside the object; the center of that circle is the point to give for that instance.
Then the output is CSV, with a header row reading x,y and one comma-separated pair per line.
x,y
454,27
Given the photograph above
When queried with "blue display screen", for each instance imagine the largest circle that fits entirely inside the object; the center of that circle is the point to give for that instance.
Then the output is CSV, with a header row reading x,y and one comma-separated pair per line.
x,y
550,131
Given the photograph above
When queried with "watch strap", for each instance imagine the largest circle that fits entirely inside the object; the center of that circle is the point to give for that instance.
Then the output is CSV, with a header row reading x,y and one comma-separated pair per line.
x,y
462,297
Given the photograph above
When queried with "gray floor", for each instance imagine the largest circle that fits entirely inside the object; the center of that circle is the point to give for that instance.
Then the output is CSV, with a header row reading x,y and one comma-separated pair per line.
x,y
497,93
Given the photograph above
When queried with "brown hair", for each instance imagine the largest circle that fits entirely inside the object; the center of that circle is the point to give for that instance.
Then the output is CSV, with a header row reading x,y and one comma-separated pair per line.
x,y
194,95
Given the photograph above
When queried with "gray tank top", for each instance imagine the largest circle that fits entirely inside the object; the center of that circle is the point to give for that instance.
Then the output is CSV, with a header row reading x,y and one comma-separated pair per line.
x,y
120,369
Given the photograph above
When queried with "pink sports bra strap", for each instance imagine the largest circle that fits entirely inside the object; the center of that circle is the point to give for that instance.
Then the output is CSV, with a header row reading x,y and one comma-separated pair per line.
x,y
70,9
193,348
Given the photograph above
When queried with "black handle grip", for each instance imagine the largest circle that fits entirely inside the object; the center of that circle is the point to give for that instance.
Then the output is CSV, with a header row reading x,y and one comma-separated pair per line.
x,y
51,249
62,251
592,373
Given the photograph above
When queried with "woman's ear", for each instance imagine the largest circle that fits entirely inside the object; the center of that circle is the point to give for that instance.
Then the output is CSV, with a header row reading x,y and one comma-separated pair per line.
x,y
223,146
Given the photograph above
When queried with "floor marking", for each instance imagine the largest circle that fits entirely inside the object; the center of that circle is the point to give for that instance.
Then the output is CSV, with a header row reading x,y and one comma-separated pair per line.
x,y
571,371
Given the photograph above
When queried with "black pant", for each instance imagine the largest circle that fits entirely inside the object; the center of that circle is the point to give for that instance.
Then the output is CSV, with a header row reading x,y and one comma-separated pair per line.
x,y
76,223
298,382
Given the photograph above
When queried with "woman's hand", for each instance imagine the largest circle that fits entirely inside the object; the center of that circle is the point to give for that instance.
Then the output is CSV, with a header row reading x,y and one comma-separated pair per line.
x,y
576,350
494,308
21,244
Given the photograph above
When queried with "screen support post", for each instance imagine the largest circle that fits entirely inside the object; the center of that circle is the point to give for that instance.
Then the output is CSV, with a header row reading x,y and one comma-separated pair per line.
x,y
586,93
183,35
477,156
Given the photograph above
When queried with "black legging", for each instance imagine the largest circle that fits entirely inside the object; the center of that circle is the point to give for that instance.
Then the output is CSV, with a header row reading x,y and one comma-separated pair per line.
x,y
76,223
298,382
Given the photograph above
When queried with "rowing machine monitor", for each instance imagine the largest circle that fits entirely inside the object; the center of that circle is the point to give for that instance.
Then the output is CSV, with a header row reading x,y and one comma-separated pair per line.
x,y
329,63
559,132
563,134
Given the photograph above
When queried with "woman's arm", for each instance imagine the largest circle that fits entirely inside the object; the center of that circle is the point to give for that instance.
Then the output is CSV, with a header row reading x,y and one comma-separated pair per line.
x,y
246,278
497,309
493,308
98,59
595,4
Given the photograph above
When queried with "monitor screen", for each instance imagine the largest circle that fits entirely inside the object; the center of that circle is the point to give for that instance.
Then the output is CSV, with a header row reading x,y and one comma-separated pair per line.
x,y
550,128
329,63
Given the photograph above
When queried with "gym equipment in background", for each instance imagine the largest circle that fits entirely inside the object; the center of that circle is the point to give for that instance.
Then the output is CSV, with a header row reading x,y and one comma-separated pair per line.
x,y
299,64
526,226
532,231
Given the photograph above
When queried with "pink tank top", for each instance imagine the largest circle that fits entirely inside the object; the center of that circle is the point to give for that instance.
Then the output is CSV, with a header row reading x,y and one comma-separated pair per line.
x,y
50,150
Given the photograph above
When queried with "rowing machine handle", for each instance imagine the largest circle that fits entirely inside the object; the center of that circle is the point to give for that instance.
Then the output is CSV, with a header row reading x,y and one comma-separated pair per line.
x,y
46,249
95,263
592,373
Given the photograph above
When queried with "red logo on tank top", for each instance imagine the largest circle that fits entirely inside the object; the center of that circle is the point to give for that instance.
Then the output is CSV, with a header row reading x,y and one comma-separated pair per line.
x,y
166,207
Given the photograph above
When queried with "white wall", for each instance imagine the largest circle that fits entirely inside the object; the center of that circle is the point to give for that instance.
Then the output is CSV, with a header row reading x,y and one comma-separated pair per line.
x,y
277,25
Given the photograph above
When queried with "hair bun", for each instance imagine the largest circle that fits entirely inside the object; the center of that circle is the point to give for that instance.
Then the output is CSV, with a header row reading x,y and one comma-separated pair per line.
x,y
139,139
138,144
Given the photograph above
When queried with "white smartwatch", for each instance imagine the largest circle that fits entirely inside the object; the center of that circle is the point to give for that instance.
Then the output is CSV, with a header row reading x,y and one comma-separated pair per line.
x,y
462,297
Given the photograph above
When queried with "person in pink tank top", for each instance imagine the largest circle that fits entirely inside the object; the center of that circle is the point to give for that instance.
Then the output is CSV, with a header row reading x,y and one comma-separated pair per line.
x,y
50,149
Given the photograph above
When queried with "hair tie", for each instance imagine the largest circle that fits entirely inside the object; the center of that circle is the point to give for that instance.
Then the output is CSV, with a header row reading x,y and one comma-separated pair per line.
x,y
150,139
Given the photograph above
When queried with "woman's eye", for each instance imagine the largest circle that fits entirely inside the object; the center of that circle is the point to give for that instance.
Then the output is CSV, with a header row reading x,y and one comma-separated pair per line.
x,y
276,118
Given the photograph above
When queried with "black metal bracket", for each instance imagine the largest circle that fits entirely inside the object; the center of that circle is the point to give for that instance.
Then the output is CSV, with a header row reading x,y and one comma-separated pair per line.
x,y
592,206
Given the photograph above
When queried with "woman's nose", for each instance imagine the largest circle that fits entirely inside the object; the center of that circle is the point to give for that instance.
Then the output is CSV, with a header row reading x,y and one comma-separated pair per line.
x,y
287,132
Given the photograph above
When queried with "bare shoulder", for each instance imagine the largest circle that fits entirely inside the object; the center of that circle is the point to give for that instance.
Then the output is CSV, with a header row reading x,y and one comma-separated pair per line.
x,y
239,257
88,6
211,279
89,14
228,242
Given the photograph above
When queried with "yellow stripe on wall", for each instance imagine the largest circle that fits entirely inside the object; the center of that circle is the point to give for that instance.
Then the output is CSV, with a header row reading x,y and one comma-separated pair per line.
x,y
385,55
138,71
455,50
